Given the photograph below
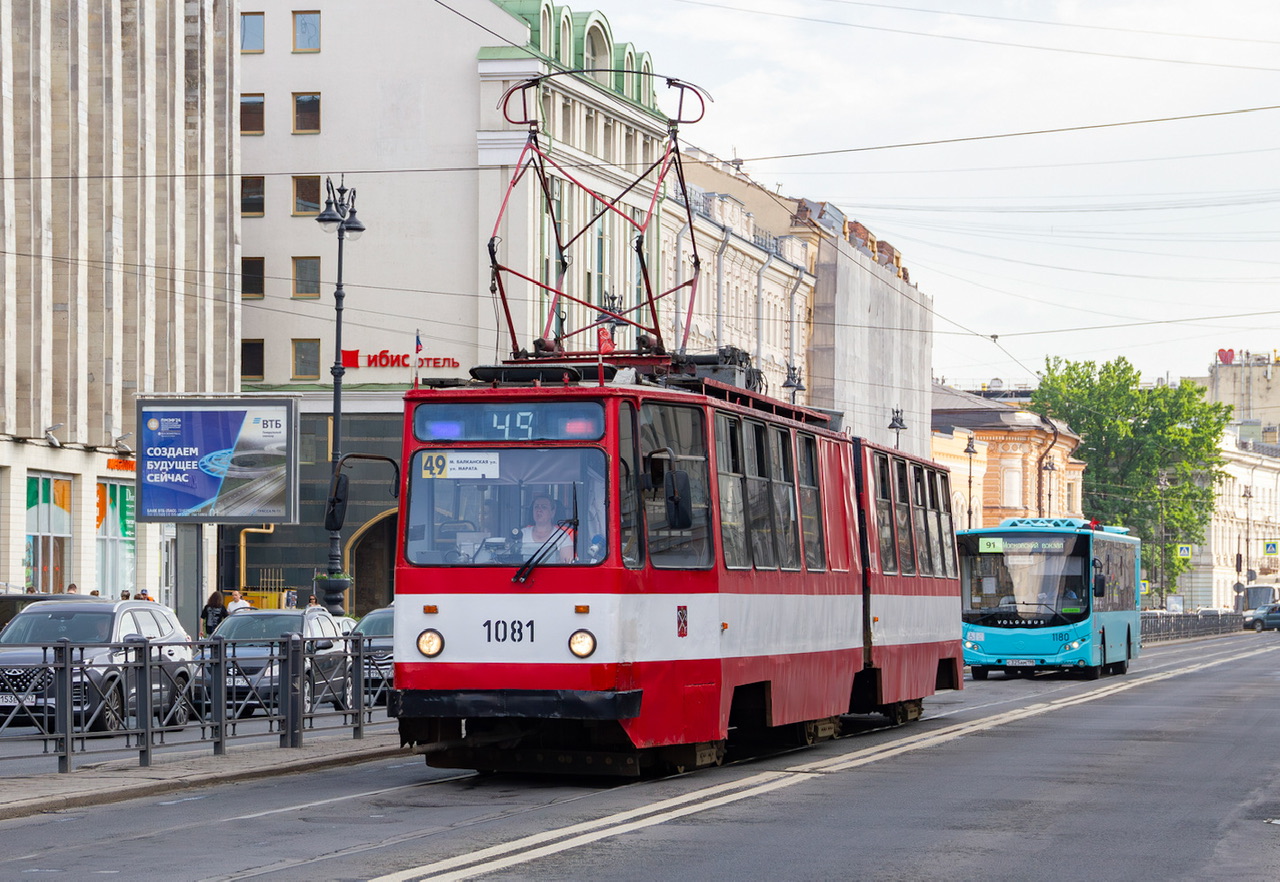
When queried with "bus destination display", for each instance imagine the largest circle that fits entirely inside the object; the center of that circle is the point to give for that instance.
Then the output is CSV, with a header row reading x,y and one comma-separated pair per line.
x,y
519,421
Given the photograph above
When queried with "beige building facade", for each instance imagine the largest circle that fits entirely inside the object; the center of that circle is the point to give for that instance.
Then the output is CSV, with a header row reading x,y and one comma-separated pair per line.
x,y
118,256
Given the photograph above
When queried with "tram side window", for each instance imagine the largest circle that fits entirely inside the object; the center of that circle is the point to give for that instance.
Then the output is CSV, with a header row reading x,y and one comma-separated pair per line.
x,y
786,537
733,513
815,557
946,526
884,515
902,499
920,520
668,431
759,511
631,528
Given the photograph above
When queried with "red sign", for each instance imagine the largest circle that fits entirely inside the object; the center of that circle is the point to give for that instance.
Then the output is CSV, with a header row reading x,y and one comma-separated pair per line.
x,y
604,340
386,358
1226,356
122,465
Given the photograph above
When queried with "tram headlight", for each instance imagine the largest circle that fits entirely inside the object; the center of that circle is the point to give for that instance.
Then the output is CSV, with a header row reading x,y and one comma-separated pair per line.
x,y
582,643
431,643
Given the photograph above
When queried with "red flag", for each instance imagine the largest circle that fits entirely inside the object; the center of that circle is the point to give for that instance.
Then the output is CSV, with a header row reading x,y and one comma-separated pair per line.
x,y
604,340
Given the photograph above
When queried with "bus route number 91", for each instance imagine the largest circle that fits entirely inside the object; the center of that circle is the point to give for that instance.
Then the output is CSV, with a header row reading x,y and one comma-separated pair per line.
x,y
501,631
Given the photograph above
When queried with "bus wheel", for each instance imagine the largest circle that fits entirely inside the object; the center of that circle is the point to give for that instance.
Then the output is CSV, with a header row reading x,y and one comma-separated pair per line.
x,y
1092,672
979,672
1120,667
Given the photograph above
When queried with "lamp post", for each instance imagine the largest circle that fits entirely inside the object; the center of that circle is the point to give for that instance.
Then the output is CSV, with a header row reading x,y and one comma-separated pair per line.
x,y
793,381
969,450
339,215
897,426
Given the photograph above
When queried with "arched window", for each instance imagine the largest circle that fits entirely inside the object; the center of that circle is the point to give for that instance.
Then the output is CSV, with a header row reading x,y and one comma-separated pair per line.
x,y
595,52
566,42
544,32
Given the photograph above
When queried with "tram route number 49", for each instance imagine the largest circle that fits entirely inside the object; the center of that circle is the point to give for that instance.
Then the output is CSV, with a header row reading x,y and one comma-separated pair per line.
x,y
515,631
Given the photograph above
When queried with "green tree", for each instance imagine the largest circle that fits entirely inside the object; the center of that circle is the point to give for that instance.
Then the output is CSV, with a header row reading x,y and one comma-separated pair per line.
x,y
1153,453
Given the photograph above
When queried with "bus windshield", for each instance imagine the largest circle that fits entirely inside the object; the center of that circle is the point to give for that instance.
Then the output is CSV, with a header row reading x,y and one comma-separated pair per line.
x,y
1024,580
500,507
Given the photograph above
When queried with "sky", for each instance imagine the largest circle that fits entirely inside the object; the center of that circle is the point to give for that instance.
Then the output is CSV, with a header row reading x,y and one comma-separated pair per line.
x,y
1151,240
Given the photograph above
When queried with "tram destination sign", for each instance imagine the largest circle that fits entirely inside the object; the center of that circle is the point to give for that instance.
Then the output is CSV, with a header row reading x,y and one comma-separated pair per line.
x,y
217,460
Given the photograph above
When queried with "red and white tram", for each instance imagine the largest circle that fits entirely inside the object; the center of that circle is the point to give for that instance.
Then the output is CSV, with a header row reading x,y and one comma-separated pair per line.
x,y
612,575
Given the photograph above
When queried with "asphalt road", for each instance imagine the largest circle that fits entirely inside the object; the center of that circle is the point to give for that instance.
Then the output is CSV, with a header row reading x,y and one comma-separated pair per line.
x,y
1165,773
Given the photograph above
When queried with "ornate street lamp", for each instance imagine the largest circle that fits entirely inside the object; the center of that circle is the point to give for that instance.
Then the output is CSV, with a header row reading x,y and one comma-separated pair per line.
x,y
969,450
1051,469
897,426
793,381
339,215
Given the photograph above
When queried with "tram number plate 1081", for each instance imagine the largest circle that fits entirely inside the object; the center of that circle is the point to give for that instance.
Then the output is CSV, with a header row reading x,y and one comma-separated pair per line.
x,y
503,631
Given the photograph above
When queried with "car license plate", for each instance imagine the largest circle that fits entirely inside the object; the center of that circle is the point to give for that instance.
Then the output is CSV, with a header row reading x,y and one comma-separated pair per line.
x,y
1021,663
239,681
8,698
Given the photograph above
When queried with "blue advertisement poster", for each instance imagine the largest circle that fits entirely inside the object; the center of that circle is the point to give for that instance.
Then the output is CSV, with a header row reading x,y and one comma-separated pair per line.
x,y
217,461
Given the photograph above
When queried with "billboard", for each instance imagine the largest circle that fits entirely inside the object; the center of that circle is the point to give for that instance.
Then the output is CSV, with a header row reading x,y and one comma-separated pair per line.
x,y
217,460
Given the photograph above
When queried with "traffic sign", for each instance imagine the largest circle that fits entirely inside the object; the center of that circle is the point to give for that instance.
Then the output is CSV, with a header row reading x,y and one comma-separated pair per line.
x,y
1146,587
1184,551
1271,548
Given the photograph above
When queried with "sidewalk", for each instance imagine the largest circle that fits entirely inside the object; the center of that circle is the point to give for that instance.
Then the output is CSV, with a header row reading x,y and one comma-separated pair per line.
x,y
118,780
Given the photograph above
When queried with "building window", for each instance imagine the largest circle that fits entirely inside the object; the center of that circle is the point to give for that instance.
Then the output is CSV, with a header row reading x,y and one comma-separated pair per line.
x,y
253,277
115,536
306,359
306,194
251,114
252,195
251,359
306,277
306,32
306,113
48,552
251,31
1011,496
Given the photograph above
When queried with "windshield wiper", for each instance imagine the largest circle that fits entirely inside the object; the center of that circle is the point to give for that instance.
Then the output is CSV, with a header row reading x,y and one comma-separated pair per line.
x,y
551,542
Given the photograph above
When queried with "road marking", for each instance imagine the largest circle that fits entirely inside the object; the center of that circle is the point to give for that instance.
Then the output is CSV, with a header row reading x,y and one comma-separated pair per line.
x,y
344,798
529,848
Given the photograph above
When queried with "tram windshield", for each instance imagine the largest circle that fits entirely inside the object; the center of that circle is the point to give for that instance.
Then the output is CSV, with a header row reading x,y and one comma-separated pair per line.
x,y
1024,580
500,507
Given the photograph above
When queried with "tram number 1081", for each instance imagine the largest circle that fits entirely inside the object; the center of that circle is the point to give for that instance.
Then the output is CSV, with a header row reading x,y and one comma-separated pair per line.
x,y
515,631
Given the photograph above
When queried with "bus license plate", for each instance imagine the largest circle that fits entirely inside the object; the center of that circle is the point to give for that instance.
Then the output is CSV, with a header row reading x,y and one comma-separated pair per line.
x,y
1021,663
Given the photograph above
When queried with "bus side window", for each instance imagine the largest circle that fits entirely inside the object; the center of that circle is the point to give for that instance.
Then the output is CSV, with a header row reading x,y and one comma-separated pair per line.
x,y
733,512
759,509
815,557
786,537
946,526
920,521
667,431
884,515
902,497
631,528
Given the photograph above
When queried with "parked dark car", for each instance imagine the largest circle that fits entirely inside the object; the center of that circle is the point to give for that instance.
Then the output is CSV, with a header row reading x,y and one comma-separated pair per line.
x,y
256,641
105,669
376,630
12,604
1264,618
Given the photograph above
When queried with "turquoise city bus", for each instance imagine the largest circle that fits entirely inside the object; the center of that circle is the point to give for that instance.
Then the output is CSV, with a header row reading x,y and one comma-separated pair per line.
x,y
1049,594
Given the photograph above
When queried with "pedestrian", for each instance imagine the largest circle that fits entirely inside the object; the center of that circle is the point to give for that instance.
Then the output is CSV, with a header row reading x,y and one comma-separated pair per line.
x,y
31,589
213,613
143,595
124,595
237,603
95,593
313,601
73,589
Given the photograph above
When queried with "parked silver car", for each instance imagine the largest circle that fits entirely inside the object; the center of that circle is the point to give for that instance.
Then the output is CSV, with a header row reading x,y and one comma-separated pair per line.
x,y
105,668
